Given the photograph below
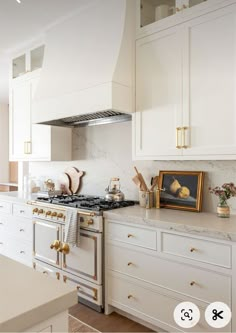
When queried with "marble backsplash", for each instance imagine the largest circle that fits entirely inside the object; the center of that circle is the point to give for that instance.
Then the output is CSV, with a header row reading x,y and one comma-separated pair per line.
x,y
105,151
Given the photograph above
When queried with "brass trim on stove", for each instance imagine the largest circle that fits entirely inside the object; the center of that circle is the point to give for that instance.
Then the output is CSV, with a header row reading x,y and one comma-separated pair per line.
x,y
94,277
80,291
39,256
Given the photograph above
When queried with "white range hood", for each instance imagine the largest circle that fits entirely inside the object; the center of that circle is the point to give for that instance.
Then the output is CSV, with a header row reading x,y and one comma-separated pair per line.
x,y
88,68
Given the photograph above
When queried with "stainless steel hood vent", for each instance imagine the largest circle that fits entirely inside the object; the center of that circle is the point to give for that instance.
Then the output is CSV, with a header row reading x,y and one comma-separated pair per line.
x,y
88,67
97,118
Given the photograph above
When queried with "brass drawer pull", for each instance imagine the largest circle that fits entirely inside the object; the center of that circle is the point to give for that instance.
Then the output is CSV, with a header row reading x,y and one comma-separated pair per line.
x,y
178,146
130,296
129,235
193,249
130,263
183,137
192,283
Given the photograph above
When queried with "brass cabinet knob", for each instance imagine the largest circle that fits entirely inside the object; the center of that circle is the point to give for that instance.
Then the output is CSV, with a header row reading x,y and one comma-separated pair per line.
x,y
64,278
48,213
130,296
90,221
177,9
64,248
193,249
35,210
40,211
55,245
192,283
60,215
54,214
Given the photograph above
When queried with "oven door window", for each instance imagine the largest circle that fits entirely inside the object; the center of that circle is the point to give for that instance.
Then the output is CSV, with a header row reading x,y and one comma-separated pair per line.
x,y
85,260
44,246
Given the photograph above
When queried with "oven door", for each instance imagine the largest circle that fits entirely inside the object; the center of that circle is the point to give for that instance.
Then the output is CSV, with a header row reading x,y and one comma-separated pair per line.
x,y
85,260
45,237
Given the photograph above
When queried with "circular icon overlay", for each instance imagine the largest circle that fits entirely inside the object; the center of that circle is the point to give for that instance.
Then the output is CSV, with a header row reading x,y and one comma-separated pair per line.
x,y
218,314
186,314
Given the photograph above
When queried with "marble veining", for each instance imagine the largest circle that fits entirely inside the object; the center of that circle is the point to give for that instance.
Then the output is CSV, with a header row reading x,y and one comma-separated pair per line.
x,y
201,224
106,151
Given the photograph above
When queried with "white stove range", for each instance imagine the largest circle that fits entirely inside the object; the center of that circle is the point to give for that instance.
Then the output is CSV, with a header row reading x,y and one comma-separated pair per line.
x,y
80,266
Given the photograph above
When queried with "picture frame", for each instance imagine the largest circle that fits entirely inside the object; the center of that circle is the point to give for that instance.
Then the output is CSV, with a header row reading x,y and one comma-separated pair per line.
x,y
181,190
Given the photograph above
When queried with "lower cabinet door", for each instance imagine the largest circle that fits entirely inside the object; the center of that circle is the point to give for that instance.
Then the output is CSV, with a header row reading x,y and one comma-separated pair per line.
x,y
149,305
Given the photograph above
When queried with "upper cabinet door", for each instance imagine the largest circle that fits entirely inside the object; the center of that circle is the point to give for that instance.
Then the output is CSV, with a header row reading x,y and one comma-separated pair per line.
x,y
40,134
158,95
154,15
210,85
20,119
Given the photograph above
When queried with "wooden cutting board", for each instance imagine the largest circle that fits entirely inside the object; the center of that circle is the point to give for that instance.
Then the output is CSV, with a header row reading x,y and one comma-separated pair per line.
x,y
75,176
66,182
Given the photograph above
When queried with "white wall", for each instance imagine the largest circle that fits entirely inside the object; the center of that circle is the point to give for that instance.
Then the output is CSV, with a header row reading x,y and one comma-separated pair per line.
x,y
4,146
105,151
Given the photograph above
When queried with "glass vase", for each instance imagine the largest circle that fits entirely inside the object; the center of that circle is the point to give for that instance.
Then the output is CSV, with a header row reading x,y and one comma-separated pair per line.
x,y
223,209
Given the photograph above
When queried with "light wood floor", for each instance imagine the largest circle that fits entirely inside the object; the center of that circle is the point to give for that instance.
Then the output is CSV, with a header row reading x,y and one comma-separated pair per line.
x,y
112,323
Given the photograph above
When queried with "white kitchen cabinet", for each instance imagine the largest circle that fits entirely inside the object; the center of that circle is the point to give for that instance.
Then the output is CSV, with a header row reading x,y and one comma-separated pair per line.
x,y
29,61
209,83
185,84
140,277
158,94
32,142
16,232
156,15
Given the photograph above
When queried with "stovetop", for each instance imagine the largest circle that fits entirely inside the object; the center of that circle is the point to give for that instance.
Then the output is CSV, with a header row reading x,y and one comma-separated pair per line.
x,y
89,202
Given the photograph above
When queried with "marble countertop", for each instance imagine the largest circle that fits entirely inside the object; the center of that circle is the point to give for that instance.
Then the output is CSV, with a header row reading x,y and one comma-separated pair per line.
x,y
17,196
29,297
202,224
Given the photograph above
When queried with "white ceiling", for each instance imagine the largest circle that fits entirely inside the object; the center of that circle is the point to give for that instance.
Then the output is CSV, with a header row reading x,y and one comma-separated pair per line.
x,y
20,23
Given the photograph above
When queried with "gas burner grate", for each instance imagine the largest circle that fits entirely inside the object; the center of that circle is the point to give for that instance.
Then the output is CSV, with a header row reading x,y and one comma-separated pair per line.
x,y
92,203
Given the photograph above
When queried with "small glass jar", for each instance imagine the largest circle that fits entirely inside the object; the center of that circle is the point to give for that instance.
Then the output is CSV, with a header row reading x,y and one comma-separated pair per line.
x,y
223,209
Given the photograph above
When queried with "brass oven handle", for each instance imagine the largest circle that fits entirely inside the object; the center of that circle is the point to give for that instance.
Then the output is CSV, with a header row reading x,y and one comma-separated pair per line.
x,y
178,146
55,245
64,248
86,213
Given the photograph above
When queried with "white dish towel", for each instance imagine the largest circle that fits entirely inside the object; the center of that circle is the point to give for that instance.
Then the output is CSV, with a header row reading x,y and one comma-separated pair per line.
x,y
72,227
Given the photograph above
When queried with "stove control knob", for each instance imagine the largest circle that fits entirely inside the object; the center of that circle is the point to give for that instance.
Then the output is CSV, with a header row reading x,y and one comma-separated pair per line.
x,y
90,222
35,210
60,215
48,213
40,211
54,214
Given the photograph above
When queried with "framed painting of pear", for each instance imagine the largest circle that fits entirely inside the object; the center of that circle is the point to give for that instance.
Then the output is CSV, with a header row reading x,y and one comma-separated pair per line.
x,y
181,190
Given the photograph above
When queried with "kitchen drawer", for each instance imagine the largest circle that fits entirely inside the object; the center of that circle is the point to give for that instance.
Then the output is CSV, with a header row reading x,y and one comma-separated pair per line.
x,y
21,251
21,210
5,221
3,246
86,290
5,207
149,305
196,249
21,229
193,282
132,235
47,269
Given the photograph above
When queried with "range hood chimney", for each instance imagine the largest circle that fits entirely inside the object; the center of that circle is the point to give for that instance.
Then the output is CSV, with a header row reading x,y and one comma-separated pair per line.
x,y
88,70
